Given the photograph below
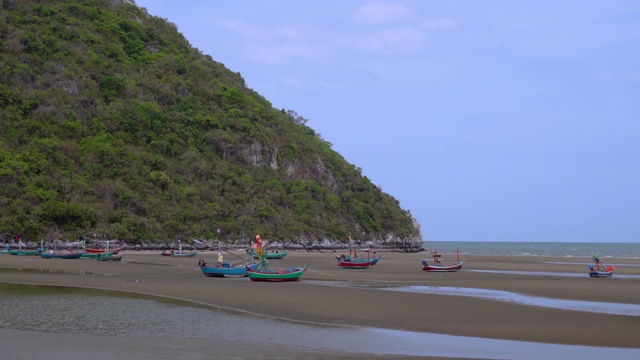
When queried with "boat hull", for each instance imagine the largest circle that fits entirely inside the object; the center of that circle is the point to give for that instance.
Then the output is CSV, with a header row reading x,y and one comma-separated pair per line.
x,y
109,257
87,255
276,275
223,271
101,251
183,254
354,264
442,268
24,252
76,255
601,272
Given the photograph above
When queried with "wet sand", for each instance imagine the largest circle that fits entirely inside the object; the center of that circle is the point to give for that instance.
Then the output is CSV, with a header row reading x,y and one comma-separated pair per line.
x,y
330,295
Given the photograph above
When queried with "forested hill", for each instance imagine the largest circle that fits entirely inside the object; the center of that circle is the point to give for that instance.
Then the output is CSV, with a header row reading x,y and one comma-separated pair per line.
x,y
111,123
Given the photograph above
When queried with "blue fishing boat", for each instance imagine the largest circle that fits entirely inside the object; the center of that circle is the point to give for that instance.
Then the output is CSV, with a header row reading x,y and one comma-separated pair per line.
x,y
226,269
61,254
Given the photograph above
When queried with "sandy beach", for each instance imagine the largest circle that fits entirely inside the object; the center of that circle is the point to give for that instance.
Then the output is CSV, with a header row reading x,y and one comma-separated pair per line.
x,y
330,295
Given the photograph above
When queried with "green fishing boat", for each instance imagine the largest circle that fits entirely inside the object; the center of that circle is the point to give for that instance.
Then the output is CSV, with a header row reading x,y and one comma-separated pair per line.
x,y
21,252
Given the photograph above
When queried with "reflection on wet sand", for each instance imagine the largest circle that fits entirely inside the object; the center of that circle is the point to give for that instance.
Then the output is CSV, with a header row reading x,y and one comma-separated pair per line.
x,y
588,306
119,315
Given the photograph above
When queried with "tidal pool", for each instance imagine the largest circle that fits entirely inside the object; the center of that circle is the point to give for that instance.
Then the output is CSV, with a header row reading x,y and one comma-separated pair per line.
x,y
113,314
588,306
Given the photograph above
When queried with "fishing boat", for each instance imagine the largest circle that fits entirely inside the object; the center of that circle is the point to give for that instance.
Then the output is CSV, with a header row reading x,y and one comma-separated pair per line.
x,y
290,274
438,266
108,256
226,269
263,273
598,269
101,250
270,255
61,254
25,252
354,264
275,255
180,253
354,261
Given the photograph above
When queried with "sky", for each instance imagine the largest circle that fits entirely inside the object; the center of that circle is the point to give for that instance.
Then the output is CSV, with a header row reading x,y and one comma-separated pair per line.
x,y
487,120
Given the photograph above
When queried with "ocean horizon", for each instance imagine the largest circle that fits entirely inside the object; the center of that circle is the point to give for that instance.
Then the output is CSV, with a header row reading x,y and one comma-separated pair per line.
x,y
535,248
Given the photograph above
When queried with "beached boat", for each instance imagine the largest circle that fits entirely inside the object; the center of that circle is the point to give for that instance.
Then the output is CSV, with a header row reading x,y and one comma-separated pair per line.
x,y
166,253
355,264
109,256
438,266
101,250
226,269
290,274
355,261
184,253
61,254
180,253
263,273
25,252
275,255
600,270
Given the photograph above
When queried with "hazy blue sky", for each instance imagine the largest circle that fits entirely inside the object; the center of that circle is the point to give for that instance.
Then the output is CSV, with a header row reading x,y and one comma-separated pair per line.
x,y
488,120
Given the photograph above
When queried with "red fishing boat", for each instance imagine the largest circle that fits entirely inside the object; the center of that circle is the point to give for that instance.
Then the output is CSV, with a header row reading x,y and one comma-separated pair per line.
x,y
438,266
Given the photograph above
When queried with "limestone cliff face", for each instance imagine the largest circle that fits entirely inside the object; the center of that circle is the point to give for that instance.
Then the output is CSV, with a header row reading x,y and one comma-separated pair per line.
x,y
259,155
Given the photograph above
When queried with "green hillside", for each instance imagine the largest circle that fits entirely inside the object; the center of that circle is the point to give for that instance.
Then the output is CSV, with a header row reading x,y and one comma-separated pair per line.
x,y
112,123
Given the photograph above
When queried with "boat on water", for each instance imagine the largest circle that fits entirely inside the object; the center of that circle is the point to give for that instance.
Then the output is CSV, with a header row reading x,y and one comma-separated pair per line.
x,y
598,269
226,269
263,273
438,266
61,254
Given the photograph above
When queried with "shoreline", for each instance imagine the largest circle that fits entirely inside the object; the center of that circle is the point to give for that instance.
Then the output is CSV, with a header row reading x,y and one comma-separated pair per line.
x,y
317,301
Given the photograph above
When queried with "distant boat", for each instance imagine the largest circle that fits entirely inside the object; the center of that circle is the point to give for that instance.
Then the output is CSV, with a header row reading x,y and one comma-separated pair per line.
x,y
109,256
26,252
437,266
100,251
600,270
225,269
354,261
61,254
180,253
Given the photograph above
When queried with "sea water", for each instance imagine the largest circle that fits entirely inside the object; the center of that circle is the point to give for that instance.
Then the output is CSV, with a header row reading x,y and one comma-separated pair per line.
x,y
556,249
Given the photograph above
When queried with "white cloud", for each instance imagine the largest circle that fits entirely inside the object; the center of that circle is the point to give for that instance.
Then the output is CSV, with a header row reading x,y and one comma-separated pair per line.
x,y
440,23
381,12
398,39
